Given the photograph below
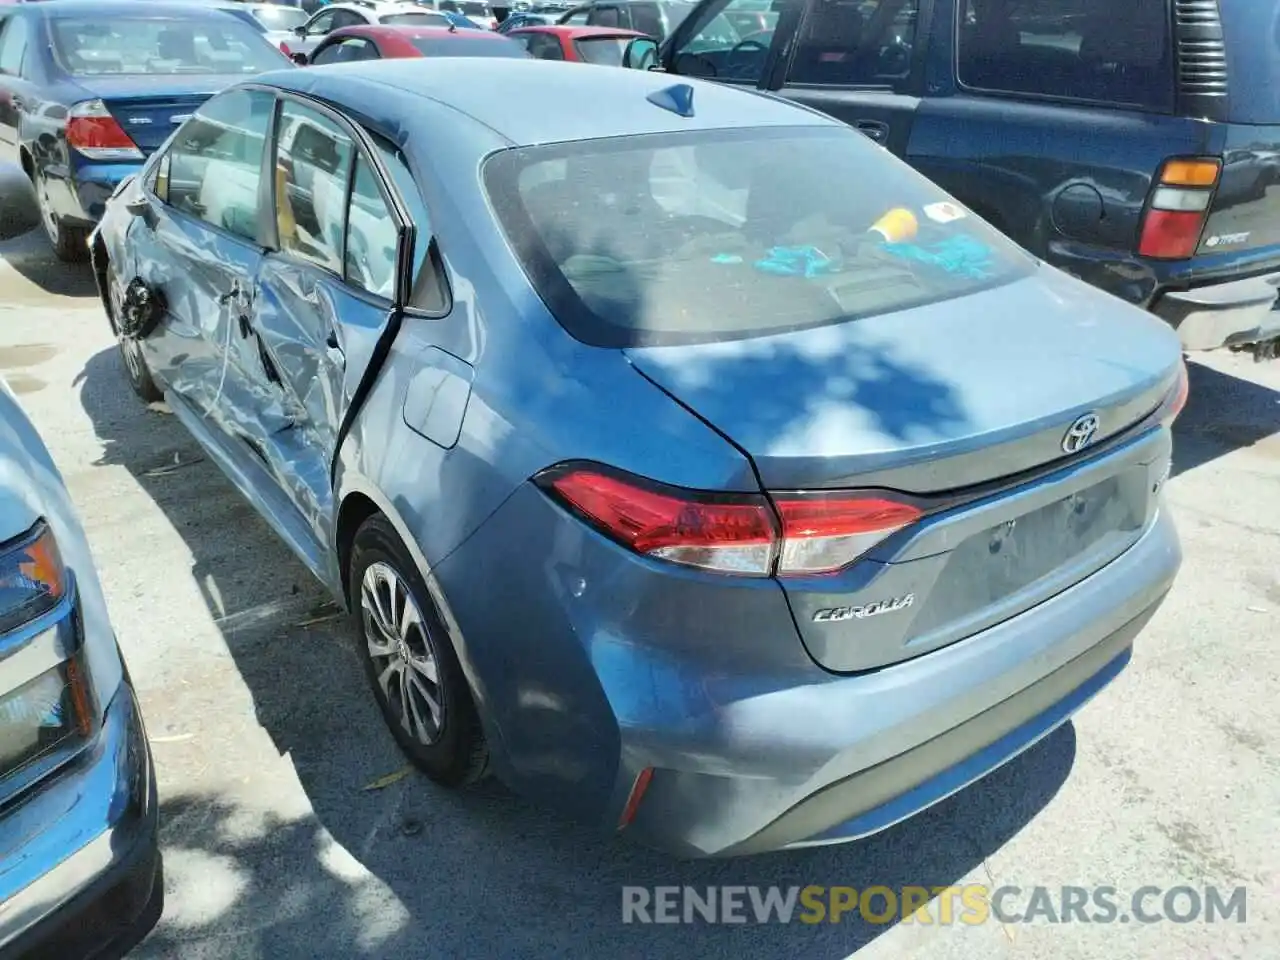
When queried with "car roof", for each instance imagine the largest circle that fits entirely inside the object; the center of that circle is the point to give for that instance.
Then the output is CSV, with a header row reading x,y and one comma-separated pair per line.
x,y
392,32
101,9
578,32
480,89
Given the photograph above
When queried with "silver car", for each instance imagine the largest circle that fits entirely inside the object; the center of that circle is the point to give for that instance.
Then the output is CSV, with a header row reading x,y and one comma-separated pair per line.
x,y
81,866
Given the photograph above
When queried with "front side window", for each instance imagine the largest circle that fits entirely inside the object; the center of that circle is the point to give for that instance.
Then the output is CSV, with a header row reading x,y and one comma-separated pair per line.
x,y
1096,50
322,23
347,50
607,51
313,165
604,17
214,165
647,18
161,46
729,42
578,19
725,234
855,43
13,46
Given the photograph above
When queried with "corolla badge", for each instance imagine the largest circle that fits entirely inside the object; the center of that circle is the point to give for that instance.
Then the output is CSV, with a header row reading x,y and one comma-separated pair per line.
x,y
873,609
1081,433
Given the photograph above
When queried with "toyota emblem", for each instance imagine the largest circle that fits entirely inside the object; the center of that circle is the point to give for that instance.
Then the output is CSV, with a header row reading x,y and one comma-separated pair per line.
x,y
1081,433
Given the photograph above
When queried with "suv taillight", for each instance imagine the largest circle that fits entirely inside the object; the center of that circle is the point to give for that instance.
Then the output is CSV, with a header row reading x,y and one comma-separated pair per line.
x,y
784,534
94,132
1178,209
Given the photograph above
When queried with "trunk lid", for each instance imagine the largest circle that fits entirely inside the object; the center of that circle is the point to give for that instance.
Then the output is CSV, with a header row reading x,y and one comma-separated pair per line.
x,y
932,401
151,108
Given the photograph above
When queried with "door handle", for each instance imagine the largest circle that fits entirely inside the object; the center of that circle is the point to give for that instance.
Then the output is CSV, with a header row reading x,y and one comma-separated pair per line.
x,y
877,130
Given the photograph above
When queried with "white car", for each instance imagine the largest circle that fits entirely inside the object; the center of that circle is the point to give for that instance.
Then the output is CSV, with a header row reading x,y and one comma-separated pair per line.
x,y
78,828
308,36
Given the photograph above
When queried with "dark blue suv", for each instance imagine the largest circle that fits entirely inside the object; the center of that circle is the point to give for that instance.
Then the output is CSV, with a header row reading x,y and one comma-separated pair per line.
x,y
1135,144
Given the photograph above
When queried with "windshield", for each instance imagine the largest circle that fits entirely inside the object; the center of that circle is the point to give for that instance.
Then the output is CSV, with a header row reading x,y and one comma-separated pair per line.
x,y
161,46
279,17
458,47
415,20
604,50
724,234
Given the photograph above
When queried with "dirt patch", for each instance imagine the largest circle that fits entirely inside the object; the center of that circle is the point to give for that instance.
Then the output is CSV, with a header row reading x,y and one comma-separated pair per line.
x,y
26,355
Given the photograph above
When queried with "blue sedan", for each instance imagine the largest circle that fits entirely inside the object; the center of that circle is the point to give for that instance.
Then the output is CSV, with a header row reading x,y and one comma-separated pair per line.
x,y
687,461
89,89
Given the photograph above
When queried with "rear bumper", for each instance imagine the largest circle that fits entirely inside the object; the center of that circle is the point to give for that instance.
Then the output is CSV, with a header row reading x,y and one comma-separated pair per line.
x,y
82,196
1223,314
81,873
596,664
860,753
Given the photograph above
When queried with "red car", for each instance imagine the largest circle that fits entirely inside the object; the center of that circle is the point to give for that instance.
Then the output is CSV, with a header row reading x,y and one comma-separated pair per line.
x,y
385,42
604,45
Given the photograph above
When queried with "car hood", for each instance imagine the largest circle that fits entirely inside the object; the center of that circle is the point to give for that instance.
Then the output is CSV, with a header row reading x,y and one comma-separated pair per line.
x,y
934,398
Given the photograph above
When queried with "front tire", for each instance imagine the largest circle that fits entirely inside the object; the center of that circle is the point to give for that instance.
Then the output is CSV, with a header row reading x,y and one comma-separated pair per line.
x,y
70,243
135,364
410,660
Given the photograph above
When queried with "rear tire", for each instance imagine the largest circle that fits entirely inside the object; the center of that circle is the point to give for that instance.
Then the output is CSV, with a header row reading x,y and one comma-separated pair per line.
x,y
70,243
410,661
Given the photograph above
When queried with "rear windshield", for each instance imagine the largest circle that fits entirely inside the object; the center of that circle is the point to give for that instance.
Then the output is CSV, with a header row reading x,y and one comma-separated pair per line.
x,y
279,17
724,234
1252,34
415,20
604,50
457,47
161,46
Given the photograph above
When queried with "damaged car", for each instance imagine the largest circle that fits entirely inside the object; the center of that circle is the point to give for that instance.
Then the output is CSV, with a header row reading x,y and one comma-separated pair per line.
x,y
82,875
677,488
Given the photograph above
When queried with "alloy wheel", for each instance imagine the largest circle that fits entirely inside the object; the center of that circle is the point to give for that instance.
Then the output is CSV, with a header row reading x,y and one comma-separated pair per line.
x,y
402,652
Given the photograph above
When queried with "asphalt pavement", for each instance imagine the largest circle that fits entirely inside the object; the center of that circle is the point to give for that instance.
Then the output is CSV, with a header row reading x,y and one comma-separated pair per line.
x,y
292,831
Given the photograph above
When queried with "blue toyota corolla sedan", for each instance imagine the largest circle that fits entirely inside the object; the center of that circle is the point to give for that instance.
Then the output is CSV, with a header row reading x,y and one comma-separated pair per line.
x,y
683,458
88,88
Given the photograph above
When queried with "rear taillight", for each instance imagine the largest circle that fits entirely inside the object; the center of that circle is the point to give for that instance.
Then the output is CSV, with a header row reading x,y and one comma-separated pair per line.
x,y
1177,398
94,133
1178,209
790,534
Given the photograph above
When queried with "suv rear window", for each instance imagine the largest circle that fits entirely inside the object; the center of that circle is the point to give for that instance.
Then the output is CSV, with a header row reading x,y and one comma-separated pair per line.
x,y
724,234
1096,50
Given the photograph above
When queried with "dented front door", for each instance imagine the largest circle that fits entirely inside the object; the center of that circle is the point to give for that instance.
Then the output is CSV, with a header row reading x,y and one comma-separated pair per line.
x,y
326,296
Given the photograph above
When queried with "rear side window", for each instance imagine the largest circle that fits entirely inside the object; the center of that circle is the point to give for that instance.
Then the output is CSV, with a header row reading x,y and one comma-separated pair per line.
x,y
725,234
313,165
544,46
1096,50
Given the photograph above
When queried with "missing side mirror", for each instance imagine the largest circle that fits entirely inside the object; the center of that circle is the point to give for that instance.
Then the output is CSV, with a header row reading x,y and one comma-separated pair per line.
x,y
641,54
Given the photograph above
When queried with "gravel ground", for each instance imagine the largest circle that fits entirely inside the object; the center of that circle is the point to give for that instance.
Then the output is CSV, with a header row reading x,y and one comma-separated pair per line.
x,y
265,738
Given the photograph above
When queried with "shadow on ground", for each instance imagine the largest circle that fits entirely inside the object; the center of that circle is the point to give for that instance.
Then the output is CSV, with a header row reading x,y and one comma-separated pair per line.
x,y
414,871
1223,413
